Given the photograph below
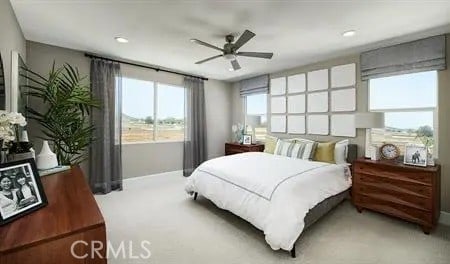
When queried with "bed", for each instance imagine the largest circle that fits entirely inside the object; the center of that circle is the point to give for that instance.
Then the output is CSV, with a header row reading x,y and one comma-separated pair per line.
x,y
279,195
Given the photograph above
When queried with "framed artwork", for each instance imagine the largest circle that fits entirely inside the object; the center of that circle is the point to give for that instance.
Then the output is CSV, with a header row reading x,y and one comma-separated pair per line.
x,y
21,191
416,155
247,140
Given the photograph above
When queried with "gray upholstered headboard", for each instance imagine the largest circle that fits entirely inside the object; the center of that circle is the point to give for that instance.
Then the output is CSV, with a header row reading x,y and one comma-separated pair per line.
x,y
352,152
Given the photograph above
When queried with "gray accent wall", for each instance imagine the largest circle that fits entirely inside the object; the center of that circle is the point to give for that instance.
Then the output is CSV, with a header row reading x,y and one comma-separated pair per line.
x,y
144,158
11,39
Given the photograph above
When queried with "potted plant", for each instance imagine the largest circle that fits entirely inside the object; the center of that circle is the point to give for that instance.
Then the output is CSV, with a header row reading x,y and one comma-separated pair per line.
x,y
64,119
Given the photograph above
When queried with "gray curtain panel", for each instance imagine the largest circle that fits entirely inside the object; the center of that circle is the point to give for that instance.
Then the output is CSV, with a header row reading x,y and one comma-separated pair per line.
x,y
256,85
416,56
105,166
195,151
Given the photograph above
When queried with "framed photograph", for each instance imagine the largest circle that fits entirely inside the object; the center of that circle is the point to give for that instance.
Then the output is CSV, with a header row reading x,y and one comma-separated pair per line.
x,y
416,155
247,140
21,190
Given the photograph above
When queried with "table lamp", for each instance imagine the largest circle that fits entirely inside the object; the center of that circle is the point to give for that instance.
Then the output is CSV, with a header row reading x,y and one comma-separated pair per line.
x,y
369,120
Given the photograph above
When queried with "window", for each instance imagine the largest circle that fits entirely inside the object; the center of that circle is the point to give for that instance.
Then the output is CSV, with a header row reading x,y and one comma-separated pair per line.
x,y
170,113
137,110
256,112
409,103
151,111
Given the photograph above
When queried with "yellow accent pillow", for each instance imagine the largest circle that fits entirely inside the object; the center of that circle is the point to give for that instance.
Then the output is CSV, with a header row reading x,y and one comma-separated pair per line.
x,y
270,144
325,152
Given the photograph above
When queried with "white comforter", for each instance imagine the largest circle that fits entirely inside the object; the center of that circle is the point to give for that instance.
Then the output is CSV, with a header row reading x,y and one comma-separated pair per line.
x,y
272,192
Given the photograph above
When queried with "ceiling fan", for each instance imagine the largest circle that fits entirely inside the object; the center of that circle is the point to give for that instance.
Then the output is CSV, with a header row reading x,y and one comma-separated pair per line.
x,y
230,49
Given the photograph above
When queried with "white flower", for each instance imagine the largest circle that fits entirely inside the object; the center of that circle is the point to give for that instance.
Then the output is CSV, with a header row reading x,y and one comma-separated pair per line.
x,y
8,121
17,119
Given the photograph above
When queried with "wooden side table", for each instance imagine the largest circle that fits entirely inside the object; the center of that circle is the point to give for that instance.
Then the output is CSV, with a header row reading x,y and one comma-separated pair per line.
x,y
236,148
407,192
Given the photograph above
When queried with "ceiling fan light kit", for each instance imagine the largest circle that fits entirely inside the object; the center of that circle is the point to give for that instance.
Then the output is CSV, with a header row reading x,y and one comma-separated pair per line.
x,y
230,50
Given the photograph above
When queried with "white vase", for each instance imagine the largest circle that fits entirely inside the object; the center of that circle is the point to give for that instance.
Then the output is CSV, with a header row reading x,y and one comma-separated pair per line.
x,y
24,137
46,159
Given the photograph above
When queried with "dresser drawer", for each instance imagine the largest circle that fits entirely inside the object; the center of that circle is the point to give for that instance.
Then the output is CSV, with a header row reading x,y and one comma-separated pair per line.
x,y
393,185
403,199
393,209
412,176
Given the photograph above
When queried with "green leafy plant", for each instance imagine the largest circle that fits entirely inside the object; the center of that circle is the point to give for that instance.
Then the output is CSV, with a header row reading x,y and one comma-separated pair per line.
x,y
65,120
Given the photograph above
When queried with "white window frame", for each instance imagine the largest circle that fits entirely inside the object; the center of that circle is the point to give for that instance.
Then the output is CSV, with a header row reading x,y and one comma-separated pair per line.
x,y
155,115
416,109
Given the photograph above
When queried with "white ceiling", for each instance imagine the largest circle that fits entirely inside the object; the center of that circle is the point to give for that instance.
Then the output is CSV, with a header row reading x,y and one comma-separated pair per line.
x,y
297,32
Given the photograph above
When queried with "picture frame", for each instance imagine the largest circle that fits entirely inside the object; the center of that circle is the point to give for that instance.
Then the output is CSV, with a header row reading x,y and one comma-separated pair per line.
x,y
247,140
21,190
416,155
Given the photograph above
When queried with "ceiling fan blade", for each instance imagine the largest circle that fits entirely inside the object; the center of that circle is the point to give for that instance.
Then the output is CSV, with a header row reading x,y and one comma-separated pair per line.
x,y
205,44
208,59
235,65
264,55
244,38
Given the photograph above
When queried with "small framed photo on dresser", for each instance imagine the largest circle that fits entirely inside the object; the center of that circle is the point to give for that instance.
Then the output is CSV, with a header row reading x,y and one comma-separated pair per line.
x,y
21,191
247,140
416,155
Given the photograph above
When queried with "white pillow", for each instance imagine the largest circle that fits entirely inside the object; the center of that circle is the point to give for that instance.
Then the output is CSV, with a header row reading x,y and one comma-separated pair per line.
x,y
341,151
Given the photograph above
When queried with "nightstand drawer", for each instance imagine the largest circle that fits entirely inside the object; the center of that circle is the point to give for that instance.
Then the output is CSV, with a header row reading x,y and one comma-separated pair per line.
x,y
413,176
407,213
392,185
403,199
236,148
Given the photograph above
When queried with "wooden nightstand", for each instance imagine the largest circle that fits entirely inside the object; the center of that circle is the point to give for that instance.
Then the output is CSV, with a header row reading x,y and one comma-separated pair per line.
x,y
407,192
235,148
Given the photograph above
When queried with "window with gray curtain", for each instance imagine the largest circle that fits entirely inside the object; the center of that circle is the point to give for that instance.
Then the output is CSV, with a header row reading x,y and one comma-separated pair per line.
x,y
105,166
194,150
416,56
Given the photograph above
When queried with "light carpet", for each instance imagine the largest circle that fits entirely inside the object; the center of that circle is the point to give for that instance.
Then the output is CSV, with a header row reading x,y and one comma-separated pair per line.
x,y
181,230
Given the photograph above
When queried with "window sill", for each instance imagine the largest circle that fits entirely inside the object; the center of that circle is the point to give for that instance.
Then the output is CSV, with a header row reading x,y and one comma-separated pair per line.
x,y
152,142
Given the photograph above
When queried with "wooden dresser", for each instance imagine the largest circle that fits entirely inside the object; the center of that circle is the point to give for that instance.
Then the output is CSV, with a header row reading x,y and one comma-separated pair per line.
x,y
46,236
235,148
408,192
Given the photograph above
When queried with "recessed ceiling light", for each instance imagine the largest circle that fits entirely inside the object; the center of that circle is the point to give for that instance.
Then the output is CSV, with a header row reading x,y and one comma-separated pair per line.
x,y
121,40
231,69
349,33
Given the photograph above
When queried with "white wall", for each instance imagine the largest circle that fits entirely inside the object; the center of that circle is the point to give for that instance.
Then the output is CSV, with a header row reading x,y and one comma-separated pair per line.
x,y
145,158
11,39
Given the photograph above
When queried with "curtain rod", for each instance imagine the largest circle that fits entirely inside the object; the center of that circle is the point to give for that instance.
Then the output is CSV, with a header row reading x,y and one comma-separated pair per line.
x,y
142,66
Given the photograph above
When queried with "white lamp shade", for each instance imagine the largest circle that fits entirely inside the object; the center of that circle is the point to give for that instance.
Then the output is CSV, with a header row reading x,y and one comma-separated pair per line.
x,y
369,120
253,120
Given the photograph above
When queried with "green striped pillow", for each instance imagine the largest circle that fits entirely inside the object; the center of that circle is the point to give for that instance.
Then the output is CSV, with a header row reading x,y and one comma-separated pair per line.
x,y
295,149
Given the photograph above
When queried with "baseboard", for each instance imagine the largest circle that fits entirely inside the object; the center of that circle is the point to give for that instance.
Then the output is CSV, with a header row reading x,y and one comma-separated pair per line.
x,y
153,175
444,219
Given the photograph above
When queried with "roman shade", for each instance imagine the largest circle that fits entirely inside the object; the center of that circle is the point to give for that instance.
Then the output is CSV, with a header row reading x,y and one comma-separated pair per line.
x,y
416,56
256,85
